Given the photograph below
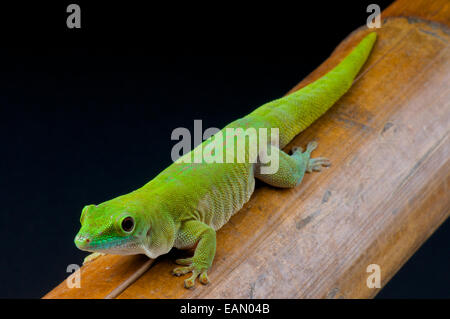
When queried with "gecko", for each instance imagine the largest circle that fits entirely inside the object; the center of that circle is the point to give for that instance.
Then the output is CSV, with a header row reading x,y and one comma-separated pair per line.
x,y
185,204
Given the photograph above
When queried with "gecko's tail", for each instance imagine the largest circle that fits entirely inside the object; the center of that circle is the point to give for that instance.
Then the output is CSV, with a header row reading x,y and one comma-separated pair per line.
x,y
295,112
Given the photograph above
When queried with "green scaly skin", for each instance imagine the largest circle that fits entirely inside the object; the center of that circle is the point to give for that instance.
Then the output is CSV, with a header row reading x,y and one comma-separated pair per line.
x,y
186,203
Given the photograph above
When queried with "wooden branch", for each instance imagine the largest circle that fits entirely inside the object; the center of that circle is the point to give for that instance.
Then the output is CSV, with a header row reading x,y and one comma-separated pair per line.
x,y
385,194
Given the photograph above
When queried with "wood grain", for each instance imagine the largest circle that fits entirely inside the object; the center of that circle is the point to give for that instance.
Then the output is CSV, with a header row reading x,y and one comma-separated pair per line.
x,y
385,193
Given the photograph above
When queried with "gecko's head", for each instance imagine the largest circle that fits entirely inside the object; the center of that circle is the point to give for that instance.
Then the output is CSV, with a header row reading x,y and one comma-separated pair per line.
x,y
121,228
111,229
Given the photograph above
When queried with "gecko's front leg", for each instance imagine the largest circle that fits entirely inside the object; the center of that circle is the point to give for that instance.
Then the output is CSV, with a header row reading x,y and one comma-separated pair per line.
x,y
205,237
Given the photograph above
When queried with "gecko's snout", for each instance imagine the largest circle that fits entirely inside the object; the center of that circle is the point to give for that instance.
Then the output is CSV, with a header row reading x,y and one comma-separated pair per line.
x,y
82,241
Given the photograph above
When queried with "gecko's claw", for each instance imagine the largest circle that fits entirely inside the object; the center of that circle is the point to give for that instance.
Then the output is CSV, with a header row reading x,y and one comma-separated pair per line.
x,y
190,282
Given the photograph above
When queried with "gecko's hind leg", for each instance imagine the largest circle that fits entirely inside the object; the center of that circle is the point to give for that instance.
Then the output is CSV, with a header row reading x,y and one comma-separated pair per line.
x,y
291,169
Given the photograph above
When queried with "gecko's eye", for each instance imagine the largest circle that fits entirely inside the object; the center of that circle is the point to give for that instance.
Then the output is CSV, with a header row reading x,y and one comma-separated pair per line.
x,y
127,224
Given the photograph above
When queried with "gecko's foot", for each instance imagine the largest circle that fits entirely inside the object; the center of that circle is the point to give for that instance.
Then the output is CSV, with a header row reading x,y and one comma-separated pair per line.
x,y
92,257
316,164
202,274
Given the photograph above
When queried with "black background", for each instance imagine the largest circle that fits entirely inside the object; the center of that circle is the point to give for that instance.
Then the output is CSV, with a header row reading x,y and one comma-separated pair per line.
x,y
86,115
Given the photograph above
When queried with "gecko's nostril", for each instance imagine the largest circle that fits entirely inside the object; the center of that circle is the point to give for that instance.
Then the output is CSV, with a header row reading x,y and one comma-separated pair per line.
x,y
81,241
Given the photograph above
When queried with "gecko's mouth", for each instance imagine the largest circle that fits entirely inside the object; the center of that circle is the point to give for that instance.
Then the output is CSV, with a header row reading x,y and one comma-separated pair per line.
x,y
107,245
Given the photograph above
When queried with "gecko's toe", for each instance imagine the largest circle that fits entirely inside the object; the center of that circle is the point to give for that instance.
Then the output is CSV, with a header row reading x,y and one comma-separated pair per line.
x,y
189,283
316,164
203,278
311,146
92,257
180,271
184,261
197,272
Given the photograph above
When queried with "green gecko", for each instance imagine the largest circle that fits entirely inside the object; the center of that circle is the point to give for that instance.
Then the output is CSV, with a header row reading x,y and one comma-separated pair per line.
x,y
187,203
